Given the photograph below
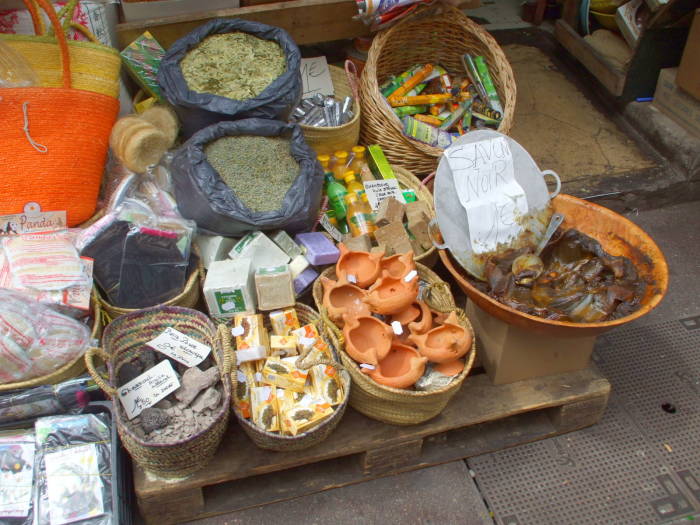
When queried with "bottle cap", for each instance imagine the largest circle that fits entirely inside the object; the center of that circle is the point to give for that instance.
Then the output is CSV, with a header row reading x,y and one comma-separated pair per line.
x,y
358,149
349,176
324,160
341,154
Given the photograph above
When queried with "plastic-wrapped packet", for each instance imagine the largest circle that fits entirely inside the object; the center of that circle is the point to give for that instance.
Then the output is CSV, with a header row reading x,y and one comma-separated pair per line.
x,y
45,261
17,450
15,71
68,397
74,470
155,263
34,339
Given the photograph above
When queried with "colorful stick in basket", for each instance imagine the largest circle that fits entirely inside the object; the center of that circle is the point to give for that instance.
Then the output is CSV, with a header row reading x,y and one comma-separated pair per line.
x,y
412,82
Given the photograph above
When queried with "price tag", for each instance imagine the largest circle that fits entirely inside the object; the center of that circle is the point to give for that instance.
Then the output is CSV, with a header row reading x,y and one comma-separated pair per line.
x,y
147,389
378,190
315,77
180,347
332,230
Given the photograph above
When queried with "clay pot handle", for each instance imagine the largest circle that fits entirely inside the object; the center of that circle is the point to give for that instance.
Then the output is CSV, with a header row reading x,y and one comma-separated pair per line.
x,y
89,363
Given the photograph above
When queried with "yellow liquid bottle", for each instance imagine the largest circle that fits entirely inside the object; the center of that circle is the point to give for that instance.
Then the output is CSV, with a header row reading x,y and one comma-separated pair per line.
x,y
359,217
325,161
341,164
358,161
352,184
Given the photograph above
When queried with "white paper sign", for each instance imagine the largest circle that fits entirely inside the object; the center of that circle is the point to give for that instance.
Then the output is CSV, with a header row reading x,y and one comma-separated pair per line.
x,y
148,388
73,484
485,181
180,347
315,77
378,190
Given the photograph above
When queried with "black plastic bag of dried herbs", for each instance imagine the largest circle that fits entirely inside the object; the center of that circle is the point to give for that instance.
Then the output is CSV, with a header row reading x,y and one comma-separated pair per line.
x,y
199,110
204,197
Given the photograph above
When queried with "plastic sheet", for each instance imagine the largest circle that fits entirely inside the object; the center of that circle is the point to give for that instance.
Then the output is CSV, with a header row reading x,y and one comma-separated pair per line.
x,y
204,197
199,110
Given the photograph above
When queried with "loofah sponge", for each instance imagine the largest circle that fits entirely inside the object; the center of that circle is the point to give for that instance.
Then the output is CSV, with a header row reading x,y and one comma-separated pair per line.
x,y
165,120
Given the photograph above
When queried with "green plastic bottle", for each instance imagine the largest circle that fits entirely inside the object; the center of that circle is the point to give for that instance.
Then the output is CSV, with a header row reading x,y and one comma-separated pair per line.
x,y
336,196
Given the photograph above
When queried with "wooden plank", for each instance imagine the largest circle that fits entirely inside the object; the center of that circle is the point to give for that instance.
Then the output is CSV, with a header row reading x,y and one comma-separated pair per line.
x,y
570,13
478,401
391,459
611,78
341,472
308,21
172,507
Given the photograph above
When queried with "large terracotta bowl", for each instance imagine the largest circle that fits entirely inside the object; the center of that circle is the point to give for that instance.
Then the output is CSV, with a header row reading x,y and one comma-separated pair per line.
x,y
617,235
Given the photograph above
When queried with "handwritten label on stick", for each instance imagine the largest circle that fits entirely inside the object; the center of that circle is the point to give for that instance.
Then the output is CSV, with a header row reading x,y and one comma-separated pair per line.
x,y
180,347
485,181
315,77
378,190
148,388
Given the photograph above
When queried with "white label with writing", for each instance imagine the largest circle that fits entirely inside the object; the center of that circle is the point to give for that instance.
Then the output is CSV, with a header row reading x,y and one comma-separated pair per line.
x,y
32,222
147,389
486,187
332,230
180,347
316,77
396,326
378,190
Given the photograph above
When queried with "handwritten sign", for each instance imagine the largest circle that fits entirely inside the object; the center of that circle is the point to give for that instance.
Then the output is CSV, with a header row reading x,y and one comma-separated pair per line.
x,y
147,389
378,190
486,187
315,77
180,347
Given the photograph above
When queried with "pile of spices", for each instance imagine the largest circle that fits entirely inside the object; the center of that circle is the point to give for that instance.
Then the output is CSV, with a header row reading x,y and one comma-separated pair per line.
x,y
259,170
233,65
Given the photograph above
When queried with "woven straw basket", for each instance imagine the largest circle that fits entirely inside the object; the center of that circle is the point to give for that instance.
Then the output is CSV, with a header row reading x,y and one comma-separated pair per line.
x,y
188,298
409,181
282,443
69,370
94,66
123,340
436,35
326,140
393,405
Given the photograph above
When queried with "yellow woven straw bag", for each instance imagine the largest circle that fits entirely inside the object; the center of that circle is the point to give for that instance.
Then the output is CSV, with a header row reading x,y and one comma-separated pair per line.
x,y
94,66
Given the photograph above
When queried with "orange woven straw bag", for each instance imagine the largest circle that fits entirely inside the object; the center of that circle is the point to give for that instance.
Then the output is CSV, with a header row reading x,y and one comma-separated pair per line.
x,y
54,141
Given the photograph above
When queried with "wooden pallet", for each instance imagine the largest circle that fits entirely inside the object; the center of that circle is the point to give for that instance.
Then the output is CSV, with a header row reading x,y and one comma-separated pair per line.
x,y
481,418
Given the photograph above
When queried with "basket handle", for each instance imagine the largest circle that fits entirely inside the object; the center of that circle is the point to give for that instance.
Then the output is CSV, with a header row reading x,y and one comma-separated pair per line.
x,y
353,80
89,363
60,34
432,303
229,355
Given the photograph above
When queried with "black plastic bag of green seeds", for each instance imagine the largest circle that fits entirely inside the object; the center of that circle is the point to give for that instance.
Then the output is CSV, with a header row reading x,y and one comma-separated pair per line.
x,y
204,197
198,110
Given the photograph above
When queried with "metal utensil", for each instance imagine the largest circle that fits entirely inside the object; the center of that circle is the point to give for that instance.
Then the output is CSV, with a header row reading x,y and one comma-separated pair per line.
x,y
530,263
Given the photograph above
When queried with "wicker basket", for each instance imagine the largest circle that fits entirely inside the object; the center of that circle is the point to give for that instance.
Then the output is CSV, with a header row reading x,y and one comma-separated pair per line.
x,y
326,140
278,442
69,370
393,405
188,298
409,181
438,35
123,340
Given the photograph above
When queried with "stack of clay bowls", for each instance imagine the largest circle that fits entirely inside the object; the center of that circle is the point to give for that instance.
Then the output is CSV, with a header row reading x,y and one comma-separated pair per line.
x,y
388,331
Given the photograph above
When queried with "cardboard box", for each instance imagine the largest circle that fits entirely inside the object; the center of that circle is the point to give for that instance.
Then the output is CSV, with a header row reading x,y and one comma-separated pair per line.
x,y
676,103
159,8
688,77
510,354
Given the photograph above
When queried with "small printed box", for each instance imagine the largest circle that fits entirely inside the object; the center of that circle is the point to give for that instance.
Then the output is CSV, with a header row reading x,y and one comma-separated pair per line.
x,y
283,373
284,321
283,345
